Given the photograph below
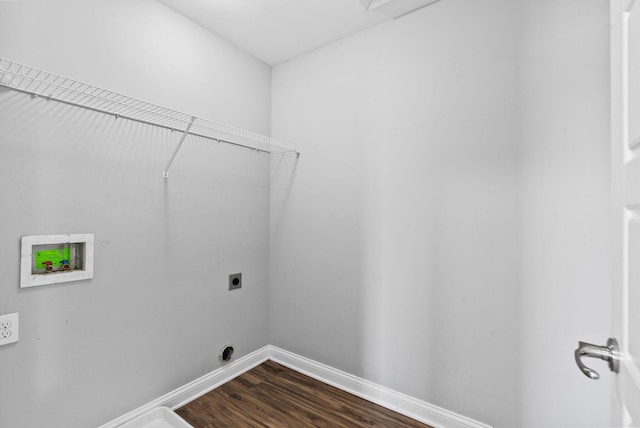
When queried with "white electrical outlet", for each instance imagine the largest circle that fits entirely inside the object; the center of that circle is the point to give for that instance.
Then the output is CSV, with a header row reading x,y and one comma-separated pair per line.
x,y
8,329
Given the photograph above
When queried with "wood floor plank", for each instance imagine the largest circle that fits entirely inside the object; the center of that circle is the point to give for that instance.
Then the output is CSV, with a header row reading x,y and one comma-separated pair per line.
x,y
273,396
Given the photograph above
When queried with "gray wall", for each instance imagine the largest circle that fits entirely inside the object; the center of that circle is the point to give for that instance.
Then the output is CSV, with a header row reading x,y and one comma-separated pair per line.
x,y
566,268
157,311
445,232
397,257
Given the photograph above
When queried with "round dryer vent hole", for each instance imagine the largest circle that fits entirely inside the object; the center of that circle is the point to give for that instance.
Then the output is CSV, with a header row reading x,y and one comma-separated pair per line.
x,y
226,353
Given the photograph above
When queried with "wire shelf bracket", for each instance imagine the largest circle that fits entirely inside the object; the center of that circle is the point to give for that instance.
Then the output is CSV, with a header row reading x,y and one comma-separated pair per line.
x,y
52,87
165,174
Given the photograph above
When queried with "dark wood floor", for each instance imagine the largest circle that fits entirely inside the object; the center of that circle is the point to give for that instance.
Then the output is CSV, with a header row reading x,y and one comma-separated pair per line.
x,y
271,395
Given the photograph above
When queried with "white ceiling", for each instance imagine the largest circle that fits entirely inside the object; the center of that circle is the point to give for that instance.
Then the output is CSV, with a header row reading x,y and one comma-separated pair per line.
x,y
277,30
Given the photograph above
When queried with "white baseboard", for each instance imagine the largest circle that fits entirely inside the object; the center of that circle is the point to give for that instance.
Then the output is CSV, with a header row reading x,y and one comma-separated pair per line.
x,y
416,409
189,392
396,401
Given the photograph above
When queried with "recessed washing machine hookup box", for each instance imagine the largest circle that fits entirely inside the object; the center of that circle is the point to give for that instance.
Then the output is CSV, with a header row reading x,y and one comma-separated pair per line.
x,y
51,259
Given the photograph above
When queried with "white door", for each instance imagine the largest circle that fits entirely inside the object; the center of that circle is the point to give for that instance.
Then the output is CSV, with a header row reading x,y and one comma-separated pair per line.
x,y
625,125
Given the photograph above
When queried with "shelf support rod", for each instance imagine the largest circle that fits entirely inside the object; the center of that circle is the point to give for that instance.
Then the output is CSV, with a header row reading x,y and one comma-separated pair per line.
x,y
165,174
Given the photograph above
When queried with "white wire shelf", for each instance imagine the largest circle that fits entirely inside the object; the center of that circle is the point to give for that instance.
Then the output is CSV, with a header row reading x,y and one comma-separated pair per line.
x,y
50,86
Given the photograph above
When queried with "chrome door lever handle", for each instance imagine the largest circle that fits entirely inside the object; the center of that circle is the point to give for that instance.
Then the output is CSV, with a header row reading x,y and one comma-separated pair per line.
x,y
607,353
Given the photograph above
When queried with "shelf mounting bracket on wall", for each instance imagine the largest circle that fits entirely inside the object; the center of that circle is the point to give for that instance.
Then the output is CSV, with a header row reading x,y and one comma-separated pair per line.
x,y
165,174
